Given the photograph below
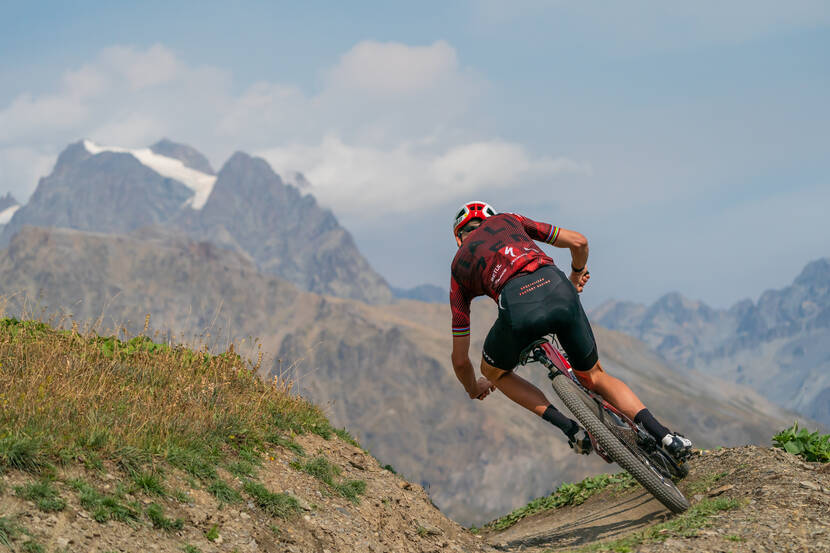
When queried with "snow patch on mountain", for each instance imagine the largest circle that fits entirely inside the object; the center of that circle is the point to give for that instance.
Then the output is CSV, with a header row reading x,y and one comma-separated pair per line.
x,y
200,183
6,214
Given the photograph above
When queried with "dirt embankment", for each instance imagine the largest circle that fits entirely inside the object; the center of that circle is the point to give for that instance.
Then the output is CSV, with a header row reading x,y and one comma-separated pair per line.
x,y
771,500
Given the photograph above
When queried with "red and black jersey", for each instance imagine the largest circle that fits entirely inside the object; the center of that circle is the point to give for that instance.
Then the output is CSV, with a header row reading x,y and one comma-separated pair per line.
x,y
500,248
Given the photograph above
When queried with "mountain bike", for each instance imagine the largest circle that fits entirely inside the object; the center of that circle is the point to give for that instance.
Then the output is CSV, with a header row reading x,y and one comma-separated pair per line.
x,y
615,437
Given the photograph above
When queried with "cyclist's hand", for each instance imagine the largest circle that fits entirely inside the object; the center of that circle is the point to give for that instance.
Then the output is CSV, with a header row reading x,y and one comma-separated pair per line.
x,y
579,280
483,388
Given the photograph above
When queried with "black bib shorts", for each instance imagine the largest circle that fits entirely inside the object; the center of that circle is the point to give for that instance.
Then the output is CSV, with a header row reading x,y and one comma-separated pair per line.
x,y
535,304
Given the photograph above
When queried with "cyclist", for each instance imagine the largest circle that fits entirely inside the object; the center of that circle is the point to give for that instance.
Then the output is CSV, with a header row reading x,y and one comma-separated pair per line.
x,y
497,257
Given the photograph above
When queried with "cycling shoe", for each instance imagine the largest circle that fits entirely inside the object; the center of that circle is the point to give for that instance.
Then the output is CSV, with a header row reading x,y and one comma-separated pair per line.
x,y
677,445
580,442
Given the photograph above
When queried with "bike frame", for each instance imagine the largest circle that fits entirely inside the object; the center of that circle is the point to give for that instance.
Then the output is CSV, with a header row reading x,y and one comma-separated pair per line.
x,y
556,361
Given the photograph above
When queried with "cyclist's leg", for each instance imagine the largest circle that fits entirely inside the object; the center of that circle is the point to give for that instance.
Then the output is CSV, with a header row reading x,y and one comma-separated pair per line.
x,y
500,355
577,339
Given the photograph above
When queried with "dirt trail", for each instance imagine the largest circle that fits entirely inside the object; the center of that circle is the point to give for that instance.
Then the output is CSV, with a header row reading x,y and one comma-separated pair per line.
x,y
783,505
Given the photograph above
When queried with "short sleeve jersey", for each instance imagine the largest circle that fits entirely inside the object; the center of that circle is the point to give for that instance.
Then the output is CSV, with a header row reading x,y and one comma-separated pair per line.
x,y
500,248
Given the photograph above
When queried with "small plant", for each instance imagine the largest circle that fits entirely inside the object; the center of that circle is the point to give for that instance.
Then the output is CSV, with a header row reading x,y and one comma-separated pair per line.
x,y
104,507
32,546
43,494
8,530
322,469
809,446
149,483
241,468
287,443
344,435
191,549
213,533
156,515
390,468
181,496
223,492
22,453
279,505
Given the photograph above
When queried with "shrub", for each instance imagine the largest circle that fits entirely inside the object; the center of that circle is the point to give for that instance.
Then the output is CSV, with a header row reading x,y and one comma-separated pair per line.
x,y
811,447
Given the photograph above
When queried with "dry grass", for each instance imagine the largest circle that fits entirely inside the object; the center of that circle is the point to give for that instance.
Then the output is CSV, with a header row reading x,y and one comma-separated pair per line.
x,y
67,396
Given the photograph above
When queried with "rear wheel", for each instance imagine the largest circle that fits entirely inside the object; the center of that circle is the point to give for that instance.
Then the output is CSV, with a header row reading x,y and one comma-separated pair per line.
x,y
633,461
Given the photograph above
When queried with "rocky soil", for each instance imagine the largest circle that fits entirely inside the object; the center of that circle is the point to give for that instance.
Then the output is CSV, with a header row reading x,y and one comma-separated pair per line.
x,y
783,505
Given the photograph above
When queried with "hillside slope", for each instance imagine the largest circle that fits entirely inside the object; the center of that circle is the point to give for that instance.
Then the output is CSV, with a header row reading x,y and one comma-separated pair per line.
x,y
135,446
744,499
383,371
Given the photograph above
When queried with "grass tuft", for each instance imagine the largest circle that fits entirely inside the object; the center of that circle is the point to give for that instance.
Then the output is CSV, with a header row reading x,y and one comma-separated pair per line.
x,y
223,492
325,471
566,494
105,507
279,505
8,531
149,483
21,452
155,513
43,493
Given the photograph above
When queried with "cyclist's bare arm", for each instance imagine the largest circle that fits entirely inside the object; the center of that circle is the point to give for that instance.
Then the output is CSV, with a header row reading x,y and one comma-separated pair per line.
x,y
578,245
476,388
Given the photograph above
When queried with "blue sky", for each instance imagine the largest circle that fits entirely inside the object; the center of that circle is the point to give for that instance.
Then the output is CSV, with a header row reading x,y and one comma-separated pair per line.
x,y
689,143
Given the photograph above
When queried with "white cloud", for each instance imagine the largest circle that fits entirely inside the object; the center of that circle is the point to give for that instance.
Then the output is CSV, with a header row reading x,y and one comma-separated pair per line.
x,y
388,120
394,68
368,180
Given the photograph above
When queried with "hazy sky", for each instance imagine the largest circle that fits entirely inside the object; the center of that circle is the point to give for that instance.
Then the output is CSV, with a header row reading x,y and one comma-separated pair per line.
x,y
689,142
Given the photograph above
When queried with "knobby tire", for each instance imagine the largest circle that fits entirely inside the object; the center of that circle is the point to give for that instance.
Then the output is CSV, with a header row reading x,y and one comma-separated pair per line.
x,y
669,496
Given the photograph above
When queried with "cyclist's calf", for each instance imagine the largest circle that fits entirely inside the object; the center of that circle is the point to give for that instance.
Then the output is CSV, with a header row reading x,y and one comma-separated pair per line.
x,y
591,377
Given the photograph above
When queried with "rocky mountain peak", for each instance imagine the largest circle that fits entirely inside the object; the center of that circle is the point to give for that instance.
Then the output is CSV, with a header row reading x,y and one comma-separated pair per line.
x,y
815,275
189,156
7,201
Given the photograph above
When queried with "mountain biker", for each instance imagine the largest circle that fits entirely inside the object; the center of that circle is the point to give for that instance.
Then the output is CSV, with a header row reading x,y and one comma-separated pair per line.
x,y
497,256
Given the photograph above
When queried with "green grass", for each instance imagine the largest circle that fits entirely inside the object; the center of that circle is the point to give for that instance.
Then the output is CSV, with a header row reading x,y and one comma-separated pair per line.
x,y
287,443
322,469
706,482
686,525
44,495
813,447
566,494
344,435
155,513
32,546
8,531
279,505
241,469
104,507
191,549
149,483
65,397
22,452
213,533
223,492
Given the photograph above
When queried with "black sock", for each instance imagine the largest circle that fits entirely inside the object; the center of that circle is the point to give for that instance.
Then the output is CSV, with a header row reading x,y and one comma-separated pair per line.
x,y
654,428
563,423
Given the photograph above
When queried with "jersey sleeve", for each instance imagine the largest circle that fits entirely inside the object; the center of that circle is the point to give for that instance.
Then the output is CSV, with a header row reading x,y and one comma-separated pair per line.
x,y
460,305
541,232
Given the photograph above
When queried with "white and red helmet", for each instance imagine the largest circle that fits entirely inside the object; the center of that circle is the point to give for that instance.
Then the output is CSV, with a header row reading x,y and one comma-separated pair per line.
x,y
469,211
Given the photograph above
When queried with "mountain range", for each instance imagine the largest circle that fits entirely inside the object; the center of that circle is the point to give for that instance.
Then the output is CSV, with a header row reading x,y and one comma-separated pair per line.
x,y
246,207
779,345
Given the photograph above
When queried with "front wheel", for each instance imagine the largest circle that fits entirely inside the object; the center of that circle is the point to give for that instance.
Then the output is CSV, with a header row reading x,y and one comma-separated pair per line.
x,y
658,485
